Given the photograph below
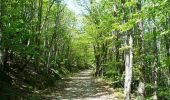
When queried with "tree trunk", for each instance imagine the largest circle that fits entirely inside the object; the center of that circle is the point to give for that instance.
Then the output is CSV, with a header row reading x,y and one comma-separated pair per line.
x,y
38,35
128,68
141,87
1,49
118,65
155,77
57,18
117,46
128,56
2,55
167,40
97,60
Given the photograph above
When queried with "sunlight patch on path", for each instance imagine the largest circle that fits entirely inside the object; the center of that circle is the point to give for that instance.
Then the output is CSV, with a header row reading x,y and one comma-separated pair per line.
x,y
82,86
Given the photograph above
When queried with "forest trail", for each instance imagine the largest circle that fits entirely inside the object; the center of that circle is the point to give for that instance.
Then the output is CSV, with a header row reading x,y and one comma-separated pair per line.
x,y
81,86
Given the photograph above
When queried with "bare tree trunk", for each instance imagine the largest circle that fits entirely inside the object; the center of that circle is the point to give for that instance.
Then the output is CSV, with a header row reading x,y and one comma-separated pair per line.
x,y
1,36
168,50
117,44
128,56
141,87
155,77
1,53
47,13
118,65
38,34
54,36
128,68
51,43
167,39
44,27
97,59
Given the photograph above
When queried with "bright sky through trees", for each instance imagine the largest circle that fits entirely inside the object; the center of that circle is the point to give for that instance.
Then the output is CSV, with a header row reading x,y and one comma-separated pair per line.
x,y
72,5
77,9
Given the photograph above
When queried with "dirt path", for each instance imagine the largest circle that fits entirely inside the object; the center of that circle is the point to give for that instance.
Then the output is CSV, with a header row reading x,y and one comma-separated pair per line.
x,y
82,86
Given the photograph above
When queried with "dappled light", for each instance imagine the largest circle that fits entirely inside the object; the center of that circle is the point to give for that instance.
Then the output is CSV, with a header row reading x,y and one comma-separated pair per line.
x,y
83,86
84,50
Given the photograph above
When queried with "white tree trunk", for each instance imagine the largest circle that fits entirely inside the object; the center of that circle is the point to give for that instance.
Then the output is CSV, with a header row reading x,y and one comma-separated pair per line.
x,y
1,48
155,84
141,87
155,69
128,69
1,52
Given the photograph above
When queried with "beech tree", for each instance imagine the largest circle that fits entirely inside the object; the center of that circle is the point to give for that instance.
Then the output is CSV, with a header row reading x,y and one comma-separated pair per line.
x,y
126,42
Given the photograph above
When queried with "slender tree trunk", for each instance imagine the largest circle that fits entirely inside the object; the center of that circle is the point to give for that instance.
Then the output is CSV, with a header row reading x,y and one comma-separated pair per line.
x,y
141,87
167,40
3,51
51,43
39,21
118,65
1,48
57,18
44,27
117,44
47,14
155,77
38,34
97,60
167,44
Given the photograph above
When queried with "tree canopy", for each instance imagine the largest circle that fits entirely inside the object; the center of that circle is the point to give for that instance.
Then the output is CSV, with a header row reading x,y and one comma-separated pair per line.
x,y
126,42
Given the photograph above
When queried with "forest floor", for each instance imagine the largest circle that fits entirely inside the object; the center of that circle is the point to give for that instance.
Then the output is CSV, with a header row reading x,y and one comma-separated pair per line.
x,y
81,86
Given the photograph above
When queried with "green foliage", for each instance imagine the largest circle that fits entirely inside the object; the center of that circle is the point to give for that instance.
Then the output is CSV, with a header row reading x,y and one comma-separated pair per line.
x,y
41,43
164,93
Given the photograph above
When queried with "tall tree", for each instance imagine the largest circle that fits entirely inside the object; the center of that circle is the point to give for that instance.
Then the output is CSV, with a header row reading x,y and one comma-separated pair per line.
x,y
1,48
155,68
128,56
141,87
39,23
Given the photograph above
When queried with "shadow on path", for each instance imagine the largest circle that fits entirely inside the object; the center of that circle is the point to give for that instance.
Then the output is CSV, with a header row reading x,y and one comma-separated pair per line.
x,y
82,86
